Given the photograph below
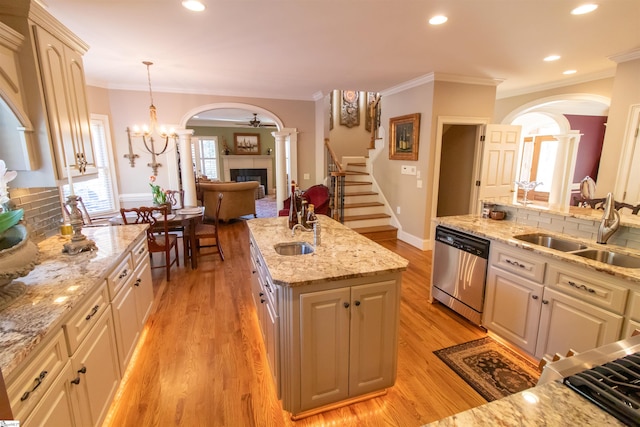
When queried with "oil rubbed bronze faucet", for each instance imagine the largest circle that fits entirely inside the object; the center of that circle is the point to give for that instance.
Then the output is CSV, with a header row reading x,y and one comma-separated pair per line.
x,y
610,221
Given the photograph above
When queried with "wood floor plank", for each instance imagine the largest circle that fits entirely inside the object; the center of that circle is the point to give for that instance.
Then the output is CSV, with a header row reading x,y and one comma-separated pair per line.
x,y
202,361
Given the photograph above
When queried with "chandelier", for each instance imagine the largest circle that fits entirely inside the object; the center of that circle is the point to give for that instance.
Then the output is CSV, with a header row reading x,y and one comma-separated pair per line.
x,y
147,132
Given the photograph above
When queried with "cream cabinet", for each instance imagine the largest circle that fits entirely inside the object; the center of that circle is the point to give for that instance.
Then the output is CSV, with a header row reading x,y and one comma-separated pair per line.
x,y
347,342
265,296
56,407
633,315
547,306
62,75
56,98
512,308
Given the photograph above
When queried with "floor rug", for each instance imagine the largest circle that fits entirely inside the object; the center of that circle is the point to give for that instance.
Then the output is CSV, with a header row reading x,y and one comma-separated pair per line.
x,y
493,370
266,207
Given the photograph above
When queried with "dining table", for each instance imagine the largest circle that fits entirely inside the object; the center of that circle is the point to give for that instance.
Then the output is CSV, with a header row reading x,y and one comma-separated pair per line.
x,y
187,218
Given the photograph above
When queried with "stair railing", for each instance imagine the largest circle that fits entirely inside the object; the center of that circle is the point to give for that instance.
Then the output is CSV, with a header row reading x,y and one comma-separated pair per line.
x,y
336,187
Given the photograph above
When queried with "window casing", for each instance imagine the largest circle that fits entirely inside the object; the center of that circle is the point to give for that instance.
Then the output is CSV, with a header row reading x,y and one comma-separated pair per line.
x,y
205,157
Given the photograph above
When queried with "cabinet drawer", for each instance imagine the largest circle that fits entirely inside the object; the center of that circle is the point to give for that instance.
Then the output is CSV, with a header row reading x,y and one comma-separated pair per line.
x,y
33,380
139,252
518,261
588,286
77,328
119,277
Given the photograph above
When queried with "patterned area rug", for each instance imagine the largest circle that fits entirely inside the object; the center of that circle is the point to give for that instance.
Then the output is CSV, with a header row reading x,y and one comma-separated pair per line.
x,y
266,207
493,370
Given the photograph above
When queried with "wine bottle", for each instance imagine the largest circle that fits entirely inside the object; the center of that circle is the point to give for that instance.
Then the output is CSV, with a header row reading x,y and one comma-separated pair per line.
x,y
293,215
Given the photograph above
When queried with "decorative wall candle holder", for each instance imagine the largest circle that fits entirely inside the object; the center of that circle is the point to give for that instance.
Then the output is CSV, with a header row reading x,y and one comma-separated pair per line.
x,y
79,242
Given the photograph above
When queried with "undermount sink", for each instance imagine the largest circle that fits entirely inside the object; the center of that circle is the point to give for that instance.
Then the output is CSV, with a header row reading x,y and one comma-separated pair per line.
x,y
551,242
293,248
611,258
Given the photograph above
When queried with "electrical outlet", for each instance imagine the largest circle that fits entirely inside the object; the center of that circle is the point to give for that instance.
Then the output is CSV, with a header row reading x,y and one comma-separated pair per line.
x,y
418,174
419,183
407,170
398,210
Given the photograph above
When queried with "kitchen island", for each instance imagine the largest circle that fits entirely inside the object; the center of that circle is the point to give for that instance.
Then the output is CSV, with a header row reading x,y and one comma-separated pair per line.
x,y
329,318
66,342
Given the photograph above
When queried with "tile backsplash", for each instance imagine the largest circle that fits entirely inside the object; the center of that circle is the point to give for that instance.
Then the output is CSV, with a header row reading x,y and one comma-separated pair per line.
x,y
578,227
42,210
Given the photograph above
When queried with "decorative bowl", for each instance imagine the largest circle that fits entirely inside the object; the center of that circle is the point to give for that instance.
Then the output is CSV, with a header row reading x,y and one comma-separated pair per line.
x,y
18,256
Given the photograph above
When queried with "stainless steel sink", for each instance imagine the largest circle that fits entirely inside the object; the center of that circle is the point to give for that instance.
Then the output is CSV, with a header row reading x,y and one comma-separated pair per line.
x,y
611,258
294,248
551,242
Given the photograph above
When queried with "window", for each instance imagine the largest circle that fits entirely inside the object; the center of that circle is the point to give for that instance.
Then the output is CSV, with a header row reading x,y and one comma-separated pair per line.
x,y
205,156
98,194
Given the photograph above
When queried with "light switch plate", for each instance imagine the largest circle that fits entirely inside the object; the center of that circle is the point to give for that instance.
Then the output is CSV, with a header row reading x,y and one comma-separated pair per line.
x,y
408,170
305,176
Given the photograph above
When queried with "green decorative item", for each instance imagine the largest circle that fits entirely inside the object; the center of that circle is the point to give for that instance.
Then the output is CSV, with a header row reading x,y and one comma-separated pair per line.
x,y
9,219
159,195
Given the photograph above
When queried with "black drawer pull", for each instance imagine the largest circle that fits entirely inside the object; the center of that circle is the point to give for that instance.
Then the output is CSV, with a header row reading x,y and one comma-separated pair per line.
x,y
93,312
82,370
123,274
514,263
75,381
38,381
137,283
583,287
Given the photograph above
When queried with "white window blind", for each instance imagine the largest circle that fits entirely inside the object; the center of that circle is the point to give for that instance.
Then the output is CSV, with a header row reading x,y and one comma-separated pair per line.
x,y
205,155
98,194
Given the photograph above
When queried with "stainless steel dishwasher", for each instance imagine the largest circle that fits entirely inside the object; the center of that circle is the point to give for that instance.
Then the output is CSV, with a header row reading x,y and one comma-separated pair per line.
x,y
460,271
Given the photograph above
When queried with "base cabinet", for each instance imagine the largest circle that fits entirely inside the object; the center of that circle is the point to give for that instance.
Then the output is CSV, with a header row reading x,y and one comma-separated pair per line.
x,y
568,323
56,407
97,372
347,342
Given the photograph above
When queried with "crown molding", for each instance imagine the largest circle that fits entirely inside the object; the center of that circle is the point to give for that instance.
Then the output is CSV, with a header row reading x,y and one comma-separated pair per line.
x,y
629,55
558,83
440,77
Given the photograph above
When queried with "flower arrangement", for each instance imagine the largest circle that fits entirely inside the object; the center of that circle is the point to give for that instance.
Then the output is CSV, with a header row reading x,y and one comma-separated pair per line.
x,y
225,147
159,195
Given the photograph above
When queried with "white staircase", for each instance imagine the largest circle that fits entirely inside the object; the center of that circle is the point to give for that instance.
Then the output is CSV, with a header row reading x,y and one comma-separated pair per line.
x,y
364,210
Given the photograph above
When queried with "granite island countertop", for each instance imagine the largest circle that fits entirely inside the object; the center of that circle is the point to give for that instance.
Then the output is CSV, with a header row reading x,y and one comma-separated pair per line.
x,y
551,404
58,283
342,254
504,231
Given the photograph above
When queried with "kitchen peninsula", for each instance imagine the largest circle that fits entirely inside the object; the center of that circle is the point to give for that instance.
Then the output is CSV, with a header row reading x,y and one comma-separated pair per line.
x,y
329,318
65,343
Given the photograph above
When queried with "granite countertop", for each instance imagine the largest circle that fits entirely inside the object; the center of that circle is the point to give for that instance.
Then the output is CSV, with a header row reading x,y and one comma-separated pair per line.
x,y
552,404
342,254
56,285
503,231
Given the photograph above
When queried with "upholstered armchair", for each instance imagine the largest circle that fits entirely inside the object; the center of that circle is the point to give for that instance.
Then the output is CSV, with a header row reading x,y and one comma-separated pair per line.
x,y
317,195
239,198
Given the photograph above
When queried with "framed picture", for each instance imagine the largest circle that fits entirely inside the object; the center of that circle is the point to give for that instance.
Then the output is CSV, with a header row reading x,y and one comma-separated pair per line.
x,y
405,137
246,143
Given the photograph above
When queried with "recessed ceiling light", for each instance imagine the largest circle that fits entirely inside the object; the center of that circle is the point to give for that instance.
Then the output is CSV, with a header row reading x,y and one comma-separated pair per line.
x,y
569,72
193,5
438,19
585,8
552,58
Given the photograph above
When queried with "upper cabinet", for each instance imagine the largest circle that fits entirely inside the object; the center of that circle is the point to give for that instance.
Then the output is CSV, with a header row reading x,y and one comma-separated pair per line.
x,y
55,90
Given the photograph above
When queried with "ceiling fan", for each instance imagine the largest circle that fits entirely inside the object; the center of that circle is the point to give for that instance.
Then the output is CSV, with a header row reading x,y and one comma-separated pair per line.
x,y
255,123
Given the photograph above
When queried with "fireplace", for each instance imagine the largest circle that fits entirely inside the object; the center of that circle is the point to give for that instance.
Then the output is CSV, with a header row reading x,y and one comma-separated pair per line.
x,y
242,175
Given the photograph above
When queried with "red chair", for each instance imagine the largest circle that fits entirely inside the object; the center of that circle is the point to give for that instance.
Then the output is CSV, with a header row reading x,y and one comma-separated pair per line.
x,y
317,195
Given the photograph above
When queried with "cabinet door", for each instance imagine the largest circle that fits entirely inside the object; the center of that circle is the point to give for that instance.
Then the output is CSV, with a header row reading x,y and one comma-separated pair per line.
x,y
512,308
373,347
324,347
272,333
568,323
98,374
56,406
143,287
63,93
125,322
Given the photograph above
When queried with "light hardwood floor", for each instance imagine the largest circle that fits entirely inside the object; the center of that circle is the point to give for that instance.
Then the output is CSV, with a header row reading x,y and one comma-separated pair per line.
x,y
202,362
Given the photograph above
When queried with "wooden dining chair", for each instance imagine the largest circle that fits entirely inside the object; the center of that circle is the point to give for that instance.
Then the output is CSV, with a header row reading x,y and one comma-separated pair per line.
x,y
158,237
208,230
176,198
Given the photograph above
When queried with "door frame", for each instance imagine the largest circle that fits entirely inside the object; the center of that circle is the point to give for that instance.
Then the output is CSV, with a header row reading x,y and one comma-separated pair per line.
x,y
629,146
480,123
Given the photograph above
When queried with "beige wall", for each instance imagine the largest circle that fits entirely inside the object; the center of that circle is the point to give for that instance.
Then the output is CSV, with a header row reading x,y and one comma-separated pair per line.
x,y
352,141
401,190
127,108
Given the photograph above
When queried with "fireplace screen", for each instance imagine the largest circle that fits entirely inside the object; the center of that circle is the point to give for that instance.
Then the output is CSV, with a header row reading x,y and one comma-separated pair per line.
x,y
242,175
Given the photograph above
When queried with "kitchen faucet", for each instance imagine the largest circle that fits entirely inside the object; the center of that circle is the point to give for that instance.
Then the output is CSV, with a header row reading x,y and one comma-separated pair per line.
x,y
315,228
610,221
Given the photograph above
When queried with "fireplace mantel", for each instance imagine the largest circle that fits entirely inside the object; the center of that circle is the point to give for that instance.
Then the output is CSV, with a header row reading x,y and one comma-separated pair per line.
x,y
247,162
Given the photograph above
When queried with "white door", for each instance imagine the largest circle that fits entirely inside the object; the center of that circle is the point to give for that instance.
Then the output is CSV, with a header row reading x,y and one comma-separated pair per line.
x,y
500,162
